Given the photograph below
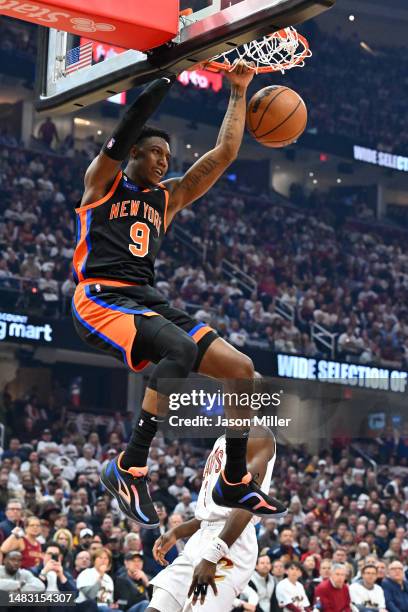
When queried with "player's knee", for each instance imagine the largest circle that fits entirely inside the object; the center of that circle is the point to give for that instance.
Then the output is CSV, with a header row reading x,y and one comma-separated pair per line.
x,y
245,368
184,352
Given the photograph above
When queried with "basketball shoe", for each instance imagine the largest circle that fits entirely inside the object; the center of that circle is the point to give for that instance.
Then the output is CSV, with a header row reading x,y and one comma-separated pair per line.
x,y
246,495
129,488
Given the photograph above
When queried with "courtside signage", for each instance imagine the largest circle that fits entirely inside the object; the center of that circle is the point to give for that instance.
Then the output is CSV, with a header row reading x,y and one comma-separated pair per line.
x,y
380,158
18,327
341,373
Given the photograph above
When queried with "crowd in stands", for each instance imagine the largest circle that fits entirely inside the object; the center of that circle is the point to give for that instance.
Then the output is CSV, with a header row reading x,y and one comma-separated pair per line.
x,y
353,111
320,269
350,111
353,282
345,538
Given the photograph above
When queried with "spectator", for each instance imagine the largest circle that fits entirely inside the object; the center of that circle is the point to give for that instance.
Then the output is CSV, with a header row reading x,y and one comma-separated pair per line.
x,y
366,595
63,537
332,595
67,448
12,578
395,588
309,576
382,539
278,570
26,542
96,544
340,555
263,583
287,550
13,518
324,571
247,601
82,561
186,507
48,133
133,543
52,573
175,520
131,585
290,593
178,489
47,447
99,512
394,551
381,571
114,544
87,464
268,539
14,450
95,583
106,530
85,538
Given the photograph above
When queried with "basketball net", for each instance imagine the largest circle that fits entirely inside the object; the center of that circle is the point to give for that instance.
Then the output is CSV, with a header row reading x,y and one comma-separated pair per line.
x,y
275,52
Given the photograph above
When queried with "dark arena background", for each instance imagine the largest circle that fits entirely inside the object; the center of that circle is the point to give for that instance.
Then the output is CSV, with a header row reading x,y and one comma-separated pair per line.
x,y
297,256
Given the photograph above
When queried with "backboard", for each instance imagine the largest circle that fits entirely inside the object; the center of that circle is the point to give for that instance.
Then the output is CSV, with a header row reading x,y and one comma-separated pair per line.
x,y
212,27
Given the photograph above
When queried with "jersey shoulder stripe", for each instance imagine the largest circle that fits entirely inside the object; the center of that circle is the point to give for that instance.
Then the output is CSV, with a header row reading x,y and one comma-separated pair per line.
x,y
166,203
105,198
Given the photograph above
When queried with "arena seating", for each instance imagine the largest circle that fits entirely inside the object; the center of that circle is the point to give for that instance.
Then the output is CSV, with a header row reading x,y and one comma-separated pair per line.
x,y
333,109
343,273
339,506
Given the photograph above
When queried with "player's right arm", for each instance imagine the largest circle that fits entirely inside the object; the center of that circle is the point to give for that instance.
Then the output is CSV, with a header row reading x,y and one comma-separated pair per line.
x,y
101,173
13,542
167,540
211,166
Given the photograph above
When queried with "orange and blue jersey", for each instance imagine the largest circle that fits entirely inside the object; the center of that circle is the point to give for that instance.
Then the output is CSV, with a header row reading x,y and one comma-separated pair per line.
x,y
119,236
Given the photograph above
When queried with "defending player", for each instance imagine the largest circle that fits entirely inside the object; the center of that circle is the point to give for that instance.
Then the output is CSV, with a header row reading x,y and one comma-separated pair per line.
x,y
222,550
121,223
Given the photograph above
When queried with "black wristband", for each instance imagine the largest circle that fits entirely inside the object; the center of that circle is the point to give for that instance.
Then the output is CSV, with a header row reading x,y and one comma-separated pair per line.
x,y
117,147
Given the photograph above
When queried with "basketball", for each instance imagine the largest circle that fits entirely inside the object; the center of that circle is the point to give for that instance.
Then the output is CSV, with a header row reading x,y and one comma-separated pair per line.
x,y
276,116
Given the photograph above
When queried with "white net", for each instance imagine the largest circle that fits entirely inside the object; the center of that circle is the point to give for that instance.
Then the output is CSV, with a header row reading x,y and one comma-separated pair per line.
x,y
279,51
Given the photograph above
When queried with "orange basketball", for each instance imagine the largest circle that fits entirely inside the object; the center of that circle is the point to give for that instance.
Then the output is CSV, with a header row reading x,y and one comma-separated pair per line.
x,y
276,116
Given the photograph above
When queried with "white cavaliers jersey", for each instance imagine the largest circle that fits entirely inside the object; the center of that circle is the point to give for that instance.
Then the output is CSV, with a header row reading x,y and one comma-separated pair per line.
x,y
206,509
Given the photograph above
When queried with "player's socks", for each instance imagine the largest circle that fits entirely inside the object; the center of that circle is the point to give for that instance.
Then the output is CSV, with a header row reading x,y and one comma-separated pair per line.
x,y
129,487
246,495
236,443
137,450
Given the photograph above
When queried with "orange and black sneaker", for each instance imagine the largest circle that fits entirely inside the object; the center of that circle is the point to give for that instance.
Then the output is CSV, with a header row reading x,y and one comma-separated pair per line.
x,y
246,495
129,488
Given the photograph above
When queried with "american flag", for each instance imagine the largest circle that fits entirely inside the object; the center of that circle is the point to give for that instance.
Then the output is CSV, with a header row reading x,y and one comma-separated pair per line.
x,y
79,57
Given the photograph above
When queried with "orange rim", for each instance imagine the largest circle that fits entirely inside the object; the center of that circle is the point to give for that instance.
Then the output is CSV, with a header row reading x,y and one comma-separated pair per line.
x,y
219,66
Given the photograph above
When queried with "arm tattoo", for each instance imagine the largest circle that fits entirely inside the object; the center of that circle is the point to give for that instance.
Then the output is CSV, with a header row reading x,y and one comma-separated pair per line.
x,y
203,170
198,179
229,125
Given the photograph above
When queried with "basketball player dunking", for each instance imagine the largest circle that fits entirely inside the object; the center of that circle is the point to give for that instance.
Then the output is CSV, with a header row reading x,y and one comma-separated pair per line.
x,y
121,221
222,550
